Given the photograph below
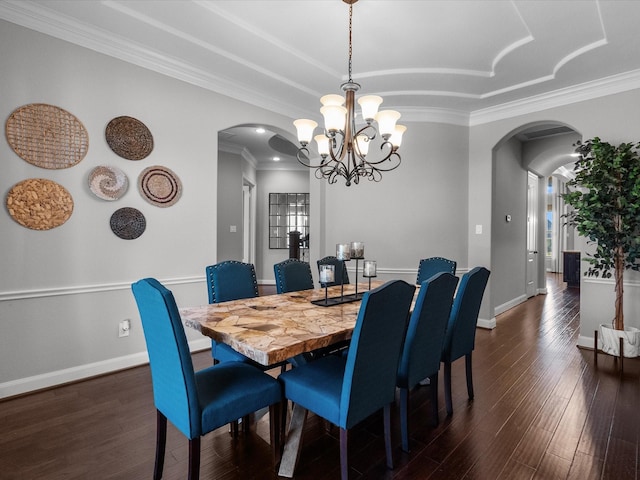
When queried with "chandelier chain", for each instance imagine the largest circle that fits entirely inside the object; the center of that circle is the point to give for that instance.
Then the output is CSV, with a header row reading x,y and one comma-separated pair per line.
x,y
350,41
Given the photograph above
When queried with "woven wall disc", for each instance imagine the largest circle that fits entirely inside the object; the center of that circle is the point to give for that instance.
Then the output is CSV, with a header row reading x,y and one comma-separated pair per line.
x,y
108,183
39,204
128,223
129,138
159,186
47,136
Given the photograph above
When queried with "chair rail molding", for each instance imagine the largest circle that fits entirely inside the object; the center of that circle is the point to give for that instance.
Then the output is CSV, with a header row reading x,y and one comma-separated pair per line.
x,y
82,289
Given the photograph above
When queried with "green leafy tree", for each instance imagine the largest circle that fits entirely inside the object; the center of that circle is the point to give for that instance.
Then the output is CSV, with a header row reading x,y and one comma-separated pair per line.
x,y
605,196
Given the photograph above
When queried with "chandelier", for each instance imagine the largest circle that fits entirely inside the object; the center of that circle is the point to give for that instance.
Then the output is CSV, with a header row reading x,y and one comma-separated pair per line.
x,y
344,146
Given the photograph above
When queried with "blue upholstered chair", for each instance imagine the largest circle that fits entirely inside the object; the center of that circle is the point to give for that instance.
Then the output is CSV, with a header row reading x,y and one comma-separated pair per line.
x,y
422,348
196,402
340,269
461,330
430,266
347,389
226,281
292,275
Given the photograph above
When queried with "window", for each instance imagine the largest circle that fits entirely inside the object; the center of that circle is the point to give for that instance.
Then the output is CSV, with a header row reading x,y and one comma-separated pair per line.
x,y
287,212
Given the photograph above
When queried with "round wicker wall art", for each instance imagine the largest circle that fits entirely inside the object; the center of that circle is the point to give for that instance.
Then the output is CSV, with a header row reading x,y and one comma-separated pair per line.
x,y
108,183
47,136
159,186
129,138
128,223
39,204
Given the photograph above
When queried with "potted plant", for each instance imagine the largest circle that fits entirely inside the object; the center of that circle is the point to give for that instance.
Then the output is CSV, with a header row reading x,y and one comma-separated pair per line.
x,y
605,196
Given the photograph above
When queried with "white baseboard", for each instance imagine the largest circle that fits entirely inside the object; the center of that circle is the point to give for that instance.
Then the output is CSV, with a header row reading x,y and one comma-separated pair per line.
x,y
510,304
484,323
586,342
81,372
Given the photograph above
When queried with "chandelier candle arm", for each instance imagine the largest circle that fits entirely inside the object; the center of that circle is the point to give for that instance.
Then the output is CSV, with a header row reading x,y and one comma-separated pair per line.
x,y
344,146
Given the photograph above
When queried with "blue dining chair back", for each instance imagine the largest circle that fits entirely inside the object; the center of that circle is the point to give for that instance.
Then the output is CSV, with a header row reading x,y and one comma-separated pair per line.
x,y
226,281
347,389
340,269
196,402
292,275
430,266
461,329
423,343
231,280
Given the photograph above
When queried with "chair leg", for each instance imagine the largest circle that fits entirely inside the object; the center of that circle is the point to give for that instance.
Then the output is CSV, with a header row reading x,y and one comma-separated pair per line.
x,y
234,429
344,461
194,458
434,398
467,361
447,387
275,426
161,443
246,424
387,435
284,412
404,413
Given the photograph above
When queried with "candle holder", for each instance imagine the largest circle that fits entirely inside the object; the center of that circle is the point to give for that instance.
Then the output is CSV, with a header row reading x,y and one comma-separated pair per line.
x,y
369,270
343,254
327,276
356,251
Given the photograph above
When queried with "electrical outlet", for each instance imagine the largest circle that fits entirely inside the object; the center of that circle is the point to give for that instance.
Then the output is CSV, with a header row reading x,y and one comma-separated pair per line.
x,y
123,328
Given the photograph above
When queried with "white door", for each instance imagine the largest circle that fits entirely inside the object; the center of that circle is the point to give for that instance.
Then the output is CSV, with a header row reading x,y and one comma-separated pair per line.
x,y
532,235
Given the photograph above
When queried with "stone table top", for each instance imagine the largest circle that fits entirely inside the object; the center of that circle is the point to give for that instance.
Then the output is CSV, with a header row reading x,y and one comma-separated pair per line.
x,y
273,328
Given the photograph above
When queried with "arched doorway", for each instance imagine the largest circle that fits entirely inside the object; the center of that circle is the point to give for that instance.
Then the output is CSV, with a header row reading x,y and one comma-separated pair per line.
x,y
253,160
522,162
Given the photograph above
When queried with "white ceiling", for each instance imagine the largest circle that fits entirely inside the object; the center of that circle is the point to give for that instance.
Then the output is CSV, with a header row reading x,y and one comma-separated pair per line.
x,y
457,61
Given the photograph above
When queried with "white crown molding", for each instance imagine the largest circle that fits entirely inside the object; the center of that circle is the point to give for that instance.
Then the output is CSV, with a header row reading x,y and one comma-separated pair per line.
x,y
435,115
61,27
37,17
578,93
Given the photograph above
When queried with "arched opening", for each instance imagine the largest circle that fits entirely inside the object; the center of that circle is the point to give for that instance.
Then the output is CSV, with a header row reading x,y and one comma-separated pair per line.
x,y
253,161
526,231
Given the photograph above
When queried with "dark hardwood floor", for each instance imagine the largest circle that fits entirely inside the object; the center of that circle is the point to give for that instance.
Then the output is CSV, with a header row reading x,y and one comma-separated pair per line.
x,y
541,410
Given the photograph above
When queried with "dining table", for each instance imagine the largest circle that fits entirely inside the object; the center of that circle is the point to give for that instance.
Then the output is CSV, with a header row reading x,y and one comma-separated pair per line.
x,y
271,329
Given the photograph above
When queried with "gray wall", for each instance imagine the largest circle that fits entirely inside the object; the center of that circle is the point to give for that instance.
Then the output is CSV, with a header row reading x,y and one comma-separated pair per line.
x,y
508,239
64,291
229,203
418,210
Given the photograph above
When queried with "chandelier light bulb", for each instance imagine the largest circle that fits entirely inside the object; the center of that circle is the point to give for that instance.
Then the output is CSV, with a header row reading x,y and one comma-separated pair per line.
x,y
387,122
323,145
362,143
332,99
305,128
335,117
369,105
396,136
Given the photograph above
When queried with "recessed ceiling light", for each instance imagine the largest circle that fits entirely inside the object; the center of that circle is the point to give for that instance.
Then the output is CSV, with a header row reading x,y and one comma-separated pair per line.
x,y
260,130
